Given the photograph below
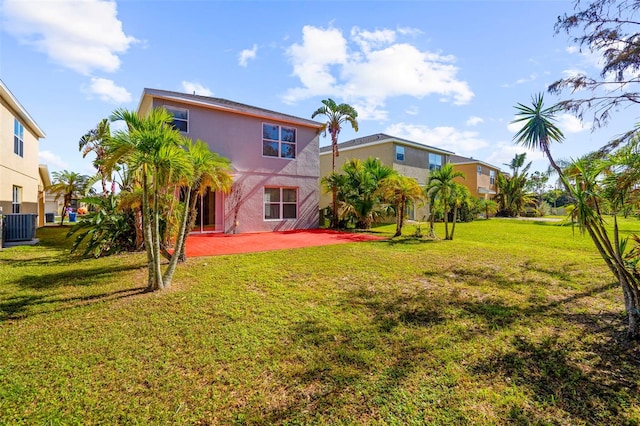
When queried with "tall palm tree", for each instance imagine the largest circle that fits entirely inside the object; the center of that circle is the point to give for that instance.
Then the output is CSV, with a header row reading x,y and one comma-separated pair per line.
x,y
94,141
440,184
336,115
67,185
151,146
400,191
538,130
583,185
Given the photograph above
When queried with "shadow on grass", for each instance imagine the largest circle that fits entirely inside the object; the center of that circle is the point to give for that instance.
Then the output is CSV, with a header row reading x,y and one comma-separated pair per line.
x,y
376,357
366,355
17,307
76,277
564,392
408,241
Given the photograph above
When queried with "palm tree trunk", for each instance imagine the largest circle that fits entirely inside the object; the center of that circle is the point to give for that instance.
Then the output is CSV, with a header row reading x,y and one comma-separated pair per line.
x,y
179,247
157,269
146,225
455,218
446,224
191,221
334,190
399,216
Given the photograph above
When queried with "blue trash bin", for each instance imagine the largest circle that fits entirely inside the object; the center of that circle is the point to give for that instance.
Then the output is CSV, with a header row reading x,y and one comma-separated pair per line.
x,y
72,216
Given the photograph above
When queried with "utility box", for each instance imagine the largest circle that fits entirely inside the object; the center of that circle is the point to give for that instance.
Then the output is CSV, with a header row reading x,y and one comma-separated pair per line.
x,y
20,227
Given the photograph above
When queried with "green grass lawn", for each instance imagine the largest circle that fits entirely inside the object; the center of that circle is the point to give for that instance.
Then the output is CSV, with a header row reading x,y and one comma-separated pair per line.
x,y
513,322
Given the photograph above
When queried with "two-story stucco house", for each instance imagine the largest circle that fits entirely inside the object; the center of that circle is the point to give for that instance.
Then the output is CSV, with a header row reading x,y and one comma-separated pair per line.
x,y
409,158
19,146
480,177
274,158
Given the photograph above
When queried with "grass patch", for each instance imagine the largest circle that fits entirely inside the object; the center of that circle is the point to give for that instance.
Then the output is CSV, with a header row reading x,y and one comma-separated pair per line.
x,y
512,322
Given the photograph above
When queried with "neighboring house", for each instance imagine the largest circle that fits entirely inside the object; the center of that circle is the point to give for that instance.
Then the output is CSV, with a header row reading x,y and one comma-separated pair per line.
x,y
480,177
409,158
274,159
19,145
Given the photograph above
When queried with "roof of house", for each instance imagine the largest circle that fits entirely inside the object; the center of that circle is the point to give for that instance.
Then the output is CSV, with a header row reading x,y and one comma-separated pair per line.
x,y
458,159
225,105
22,113
380,138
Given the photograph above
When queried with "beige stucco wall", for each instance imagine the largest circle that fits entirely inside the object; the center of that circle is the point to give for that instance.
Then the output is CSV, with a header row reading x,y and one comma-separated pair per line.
x,y
475,181
385,152
16,170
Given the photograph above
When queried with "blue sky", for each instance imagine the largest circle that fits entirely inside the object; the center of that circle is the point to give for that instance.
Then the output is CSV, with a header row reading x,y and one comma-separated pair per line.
x,y
444,73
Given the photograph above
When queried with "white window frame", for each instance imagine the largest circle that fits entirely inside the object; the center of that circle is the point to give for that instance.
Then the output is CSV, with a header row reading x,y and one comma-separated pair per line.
x,y
279,141
16,199
18,138
479,169
400,153
492,177
281,203
171,109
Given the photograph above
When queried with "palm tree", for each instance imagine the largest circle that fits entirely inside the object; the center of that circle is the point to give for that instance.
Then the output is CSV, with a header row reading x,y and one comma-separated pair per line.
x,y
440,185
212,172
583,185
336,116
460,196
488,206
151,146
68,185
94,141
538,130
512,196
358,190
400,191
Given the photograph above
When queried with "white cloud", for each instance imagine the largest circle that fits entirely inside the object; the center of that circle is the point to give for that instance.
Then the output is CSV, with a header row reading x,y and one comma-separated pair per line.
x,y
107,91
528,79
246,54
412,110
312,59
196,88
80,35
448,138
571,124
474,121
372,39
503,152
369,68
52,160
409,31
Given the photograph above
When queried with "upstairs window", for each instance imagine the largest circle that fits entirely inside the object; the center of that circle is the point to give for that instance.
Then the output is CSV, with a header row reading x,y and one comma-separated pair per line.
x,y
399,153
18,138
280,203
492,177
16,200
435,161
278,141
479,170
180,118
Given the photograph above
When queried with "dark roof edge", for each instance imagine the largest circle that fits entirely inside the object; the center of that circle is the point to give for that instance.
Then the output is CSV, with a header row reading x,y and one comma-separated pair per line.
x,y
225,104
